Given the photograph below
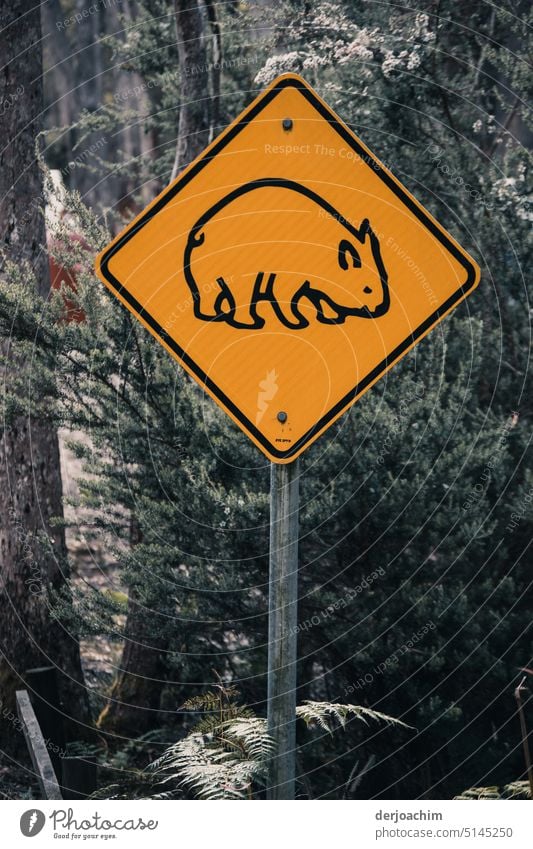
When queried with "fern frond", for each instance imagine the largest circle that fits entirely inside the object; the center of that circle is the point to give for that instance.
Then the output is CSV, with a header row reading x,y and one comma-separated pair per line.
x,y
514,790
226,756
329,715
208,701
479,793
134,784
163,797
517,790
211,724
221,765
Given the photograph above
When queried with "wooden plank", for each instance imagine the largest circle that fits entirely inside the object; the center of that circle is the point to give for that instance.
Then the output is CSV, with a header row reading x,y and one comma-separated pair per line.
x,y
39,754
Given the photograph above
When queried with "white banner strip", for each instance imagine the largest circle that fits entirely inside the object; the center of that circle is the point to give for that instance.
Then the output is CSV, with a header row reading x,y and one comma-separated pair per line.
x,y
256,825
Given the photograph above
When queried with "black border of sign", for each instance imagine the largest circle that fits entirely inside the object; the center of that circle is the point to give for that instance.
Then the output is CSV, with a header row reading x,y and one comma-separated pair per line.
x,y
200,163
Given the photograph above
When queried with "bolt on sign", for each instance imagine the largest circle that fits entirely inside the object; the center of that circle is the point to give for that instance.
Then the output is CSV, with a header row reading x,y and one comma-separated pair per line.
x,y
287,269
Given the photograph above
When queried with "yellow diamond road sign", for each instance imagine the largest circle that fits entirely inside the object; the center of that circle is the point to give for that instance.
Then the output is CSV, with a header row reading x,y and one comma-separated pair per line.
x,y
287,269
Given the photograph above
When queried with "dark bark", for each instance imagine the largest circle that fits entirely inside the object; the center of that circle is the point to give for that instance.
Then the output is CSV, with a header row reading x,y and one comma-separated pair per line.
x,y
216,38
60,97
193,124
30,482
136,694
135,141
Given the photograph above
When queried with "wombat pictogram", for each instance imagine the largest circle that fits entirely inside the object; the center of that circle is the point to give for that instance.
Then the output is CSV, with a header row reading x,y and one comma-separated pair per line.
x,y
289,223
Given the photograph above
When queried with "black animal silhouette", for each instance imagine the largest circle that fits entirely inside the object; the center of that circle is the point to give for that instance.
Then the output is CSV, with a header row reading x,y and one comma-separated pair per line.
x,y
266,273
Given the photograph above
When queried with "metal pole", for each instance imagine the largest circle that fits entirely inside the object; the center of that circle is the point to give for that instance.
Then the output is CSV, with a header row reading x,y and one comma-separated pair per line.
x,y
523,728
282,626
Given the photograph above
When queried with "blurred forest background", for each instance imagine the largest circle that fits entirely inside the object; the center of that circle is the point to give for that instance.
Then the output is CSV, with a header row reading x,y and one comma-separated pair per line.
x,y
138,566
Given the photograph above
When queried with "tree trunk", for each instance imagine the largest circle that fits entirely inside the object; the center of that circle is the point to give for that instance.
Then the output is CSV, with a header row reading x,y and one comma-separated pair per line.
x,y
60,96
88,97
136,693
30,482
193,124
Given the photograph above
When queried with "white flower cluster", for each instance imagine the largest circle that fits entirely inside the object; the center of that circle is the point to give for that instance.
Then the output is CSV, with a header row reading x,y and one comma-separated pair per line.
x,y
359,49
333,39
509,192
405,59
422,29
393,62
328,35
330,18
315,61
283,63
419,36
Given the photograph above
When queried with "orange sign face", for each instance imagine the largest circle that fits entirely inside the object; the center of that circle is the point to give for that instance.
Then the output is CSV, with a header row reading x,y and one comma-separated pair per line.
x,y
286,269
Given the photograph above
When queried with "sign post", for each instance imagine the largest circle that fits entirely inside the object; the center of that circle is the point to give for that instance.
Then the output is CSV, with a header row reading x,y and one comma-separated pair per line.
x,y
287,270
282,626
